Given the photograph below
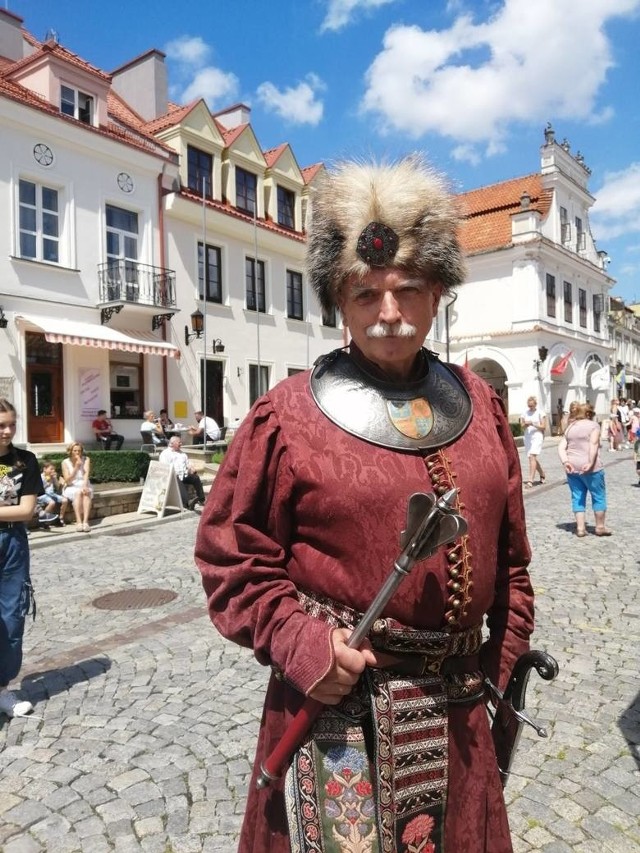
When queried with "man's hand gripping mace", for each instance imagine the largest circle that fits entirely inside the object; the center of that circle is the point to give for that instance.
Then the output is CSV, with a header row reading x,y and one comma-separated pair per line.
x,y
430,523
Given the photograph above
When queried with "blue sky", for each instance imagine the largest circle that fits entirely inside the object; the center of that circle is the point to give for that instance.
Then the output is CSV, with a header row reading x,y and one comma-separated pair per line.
x,y
471,83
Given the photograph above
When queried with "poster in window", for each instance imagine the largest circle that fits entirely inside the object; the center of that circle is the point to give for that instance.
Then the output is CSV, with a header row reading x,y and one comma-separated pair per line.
x,y
90,384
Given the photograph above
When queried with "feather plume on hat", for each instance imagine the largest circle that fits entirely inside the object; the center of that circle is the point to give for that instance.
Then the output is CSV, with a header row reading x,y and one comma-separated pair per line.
x,y
382,215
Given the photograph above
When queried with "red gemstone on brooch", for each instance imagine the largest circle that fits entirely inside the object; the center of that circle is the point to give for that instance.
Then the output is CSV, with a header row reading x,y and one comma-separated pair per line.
x,y
377,243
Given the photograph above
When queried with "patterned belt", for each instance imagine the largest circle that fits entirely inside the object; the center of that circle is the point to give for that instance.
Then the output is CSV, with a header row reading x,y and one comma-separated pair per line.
x,y
374,768
450,655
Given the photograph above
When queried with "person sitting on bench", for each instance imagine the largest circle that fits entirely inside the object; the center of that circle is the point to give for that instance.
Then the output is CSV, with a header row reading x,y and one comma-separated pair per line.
x,y
104,432
185,472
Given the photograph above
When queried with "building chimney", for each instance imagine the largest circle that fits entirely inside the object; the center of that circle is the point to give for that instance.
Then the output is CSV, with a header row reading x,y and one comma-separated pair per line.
x,y
12,44
142,83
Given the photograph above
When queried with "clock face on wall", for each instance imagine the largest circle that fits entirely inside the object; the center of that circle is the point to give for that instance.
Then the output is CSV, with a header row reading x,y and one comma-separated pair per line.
x,y
125,182
43,154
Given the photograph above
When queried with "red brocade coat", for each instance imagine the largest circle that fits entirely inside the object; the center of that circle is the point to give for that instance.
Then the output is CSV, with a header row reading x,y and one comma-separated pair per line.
x,y
298,502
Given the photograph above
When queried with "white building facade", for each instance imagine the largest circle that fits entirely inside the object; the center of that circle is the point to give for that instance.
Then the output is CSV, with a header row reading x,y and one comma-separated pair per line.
x,y
532,316
101,253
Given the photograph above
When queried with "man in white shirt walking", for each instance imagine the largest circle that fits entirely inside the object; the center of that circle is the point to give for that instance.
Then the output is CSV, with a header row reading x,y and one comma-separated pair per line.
x,y
185,472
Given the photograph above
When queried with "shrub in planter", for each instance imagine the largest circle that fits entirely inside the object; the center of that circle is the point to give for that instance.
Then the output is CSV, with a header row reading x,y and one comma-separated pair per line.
x,y
108,466
516,429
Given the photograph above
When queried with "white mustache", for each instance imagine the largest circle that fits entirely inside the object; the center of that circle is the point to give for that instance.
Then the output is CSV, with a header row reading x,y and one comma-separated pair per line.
x,y
401,329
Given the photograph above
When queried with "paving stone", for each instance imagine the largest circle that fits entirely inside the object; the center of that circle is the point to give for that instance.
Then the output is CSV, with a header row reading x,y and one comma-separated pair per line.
x,y
148,826
24,844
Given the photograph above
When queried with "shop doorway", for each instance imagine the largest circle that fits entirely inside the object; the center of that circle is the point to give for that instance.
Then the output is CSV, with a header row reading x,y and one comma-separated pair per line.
x,y
45,408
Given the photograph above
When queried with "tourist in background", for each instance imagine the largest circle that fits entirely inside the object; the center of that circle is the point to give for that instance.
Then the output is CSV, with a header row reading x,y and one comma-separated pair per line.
x,y
579,451
205,425
614,427
534,423
53,504
104,431
78,490
151,429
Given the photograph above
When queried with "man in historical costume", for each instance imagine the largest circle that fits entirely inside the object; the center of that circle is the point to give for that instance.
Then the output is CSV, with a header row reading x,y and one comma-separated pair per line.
x,y
303,525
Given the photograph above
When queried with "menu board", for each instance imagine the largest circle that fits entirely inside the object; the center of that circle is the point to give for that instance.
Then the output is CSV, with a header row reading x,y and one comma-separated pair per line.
x,y
160,492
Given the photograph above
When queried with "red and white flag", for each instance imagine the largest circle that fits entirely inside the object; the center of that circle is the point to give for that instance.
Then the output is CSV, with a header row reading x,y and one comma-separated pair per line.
x,y
561,366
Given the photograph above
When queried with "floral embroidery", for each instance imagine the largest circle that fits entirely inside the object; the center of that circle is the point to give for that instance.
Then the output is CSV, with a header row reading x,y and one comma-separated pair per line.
x,y
348,803
416,834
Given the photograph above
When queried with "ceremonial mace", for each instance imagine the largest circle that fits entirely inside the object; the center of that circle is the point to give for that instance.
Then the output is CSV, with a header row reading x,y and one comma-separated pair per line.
x,y
430,523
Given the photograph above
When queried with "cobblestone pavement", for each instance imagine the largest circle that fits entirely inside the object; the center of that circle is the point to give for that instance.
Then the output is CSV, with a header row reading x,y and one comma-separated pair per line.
x,y
145,720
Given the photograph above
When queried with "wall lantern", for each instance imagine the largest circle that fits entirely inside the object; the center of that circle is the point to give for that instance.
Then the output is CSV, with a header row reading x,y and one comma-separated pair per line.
x,y
197,326
3,320
217,345
543,352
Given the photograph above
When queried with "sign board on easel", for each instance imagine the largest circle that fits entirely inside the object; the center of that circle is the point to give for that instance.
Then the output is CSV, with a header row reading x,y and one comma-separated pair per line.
x,y
160,491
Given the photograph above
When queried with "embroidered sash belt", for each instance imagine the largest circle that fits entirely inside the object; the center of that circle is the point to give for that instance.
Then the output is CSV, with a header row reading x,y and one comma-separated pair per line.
x,y
371,777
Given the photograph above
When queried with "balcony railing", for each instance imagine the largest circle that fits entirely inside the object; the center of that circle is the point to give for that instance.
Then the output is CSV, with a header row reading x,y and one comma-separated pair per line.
x,y
139,284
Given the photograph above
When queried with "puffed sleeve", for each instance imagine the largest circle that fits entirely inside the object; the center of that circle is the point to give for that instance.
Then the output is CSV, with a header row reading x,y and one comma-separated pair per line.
x,y
242,548
510,618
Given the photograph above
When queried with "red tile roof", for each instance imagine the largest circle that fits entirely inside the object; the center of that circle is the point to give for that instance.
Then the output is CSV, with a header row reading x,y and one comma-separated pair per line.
x,y
309,172
129,135
229,135
273,154
19,93
229,210
487,211
174,115
55,49
120,110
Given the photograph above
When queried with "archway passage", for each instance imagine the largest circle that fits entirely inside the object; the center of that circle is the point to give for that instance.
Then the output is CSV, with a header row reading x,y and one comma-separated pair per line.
x,y
493,374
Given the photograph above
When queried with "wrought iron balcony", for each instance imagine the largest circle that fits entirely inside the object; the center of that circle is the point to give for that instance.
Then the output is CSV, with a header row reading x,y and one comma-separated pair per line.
x,y
137,284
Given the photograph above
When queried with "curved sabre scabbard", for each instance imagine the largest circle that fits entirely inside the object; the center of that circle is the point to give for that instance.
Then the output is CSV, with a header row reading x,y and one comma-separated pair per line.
x,y
510,716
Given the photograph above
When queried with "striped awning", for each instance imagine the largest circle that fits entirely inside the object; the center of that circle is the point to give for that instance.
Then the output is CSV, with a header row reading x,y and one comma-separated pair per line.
x,y
62,331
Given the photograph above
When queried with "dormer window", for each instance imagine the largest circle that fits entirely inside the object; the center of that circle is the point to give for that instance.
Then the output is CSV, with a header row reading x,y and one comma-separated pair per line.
x,y
199,170
76,104
246,186
286,208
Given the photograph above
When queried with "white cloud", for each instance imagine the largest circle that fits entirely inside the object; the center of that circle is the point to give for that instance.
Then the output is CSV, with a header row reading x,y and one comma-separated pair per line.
x,y
299,104
194,78
616,212
528,63
188,50
465,154
341,12
213,85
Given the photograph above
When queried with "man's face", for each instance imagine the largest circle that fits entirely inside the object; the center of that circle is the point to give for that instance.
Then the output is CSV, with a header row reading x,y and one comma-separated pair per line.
x,y
389,315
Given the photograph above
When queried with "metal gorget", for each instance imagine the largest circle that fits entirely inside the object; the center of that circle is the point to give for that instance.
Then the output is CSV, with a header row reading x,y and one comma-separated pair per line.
x,y
424,414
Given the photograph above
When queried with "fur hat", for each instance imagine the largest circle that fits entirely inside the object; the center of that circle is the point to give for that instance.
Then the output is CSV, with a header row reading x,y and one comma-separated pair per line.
x,y
382,215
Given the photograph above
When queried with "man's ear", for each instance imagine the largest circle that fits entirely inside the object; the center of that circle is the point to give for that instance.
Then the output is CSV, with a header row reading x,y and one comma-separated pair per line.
x,y
436,290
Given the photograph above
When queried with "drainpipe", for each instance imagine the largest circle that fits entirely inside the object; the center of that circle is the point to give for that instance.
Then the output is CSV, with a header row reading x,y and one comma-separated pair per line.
x,y
163,265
